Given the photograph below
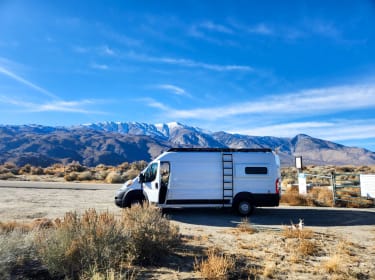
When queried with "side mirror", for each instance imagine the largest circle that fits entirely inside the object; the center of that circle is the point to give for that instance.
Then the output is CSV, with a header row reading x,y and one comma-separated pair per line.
x,y
141,178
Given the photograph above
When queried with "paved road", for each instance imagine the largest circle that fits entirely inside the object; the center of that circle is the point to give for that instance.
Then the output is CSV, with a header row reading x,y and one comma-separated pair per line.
x,y
279,216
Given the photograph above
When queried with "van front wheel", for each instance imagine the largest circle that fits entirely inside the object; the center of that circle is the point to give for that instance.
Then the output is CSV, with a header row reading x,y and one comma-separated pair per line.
x,y
245,208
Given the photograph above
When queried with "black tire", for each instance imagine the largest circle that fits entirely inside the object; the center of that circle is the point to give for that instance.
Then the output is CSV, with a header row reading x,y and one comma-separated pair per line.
x,y
244,208
135,202
133,199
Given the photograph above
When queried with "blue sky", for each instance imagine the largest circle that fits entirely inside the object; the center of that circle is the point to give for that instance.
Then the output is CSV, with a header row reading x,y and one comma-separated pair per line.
x,y
275,68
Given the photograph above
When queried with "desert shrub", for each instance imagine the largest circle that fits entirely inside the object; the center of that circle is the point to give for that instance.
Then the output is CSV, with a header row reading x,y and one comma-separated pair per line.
x,y
124,166
114,177
9,165
245,226
321,196
100,175
54,169
25,169
270,269
85,176
130,174
75,166
17,248
96,243
300,243
71,176
345,169
36,170
80,242
101,167
152,235
59,174
293,198
6,176
7,227
215,266
138,165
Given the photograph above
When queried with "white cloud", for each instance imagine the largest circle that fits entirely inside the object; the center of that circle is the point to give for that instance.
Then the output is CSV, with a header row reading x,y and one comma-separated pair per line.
x,y
153,103
173,89
261,29
108,51
209,25
99,66
25,82
77,106
191,63
336,130
304,103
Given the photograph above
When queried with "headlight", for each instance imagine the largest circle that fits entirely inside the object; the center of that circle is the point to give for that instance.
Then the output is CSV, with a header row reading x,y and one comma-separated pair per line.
x,y
126,185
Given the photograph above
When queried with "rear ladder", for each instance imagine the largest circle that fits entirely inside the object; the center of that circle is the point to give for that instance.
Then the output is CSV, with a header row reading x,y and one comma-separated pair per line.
x,y
227,160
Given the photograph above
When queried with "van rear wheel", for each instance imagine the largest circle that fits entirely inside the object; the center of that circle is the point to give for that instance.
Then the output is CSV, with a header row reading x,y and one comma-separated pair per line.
x,y
245,208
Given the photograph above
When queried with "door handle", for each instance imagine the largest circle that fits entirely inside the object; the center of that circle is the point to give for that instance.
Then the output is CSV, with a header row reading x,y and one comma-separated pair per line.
x,y
156,185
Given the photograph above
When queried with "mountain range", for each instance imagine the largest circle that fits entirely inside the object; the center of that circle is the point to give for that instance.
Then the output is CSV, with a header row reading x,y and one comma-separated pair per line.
x,y
112,143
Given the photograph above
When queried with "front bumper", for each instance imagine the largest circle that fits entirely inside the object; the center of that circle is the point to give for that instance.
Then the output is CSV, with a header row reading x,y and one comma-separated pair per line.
x,y
119,199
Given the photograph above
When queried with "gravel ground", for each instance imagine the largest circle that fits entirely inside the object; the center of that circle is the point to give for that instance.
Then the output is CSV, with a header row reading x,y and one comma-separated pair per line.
x,y
25,201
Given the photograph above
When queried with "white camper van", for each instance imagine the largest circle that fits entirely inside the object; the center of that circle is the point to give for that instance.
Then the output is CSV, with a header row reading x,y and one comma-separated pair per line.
x,y
207,177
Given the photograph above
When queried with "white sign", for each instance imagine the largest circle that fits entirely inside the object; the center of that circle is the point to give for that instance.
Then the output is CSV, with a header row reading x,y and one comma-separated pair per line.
x,y
367,185
302,186
298,162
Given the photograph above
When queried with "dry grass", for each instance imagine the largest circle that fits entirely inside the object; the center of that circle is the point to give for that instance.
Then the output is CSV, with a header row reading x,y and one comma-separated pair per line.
x,y
270,269
245,226
304,233
215,266
293,198
333,264
300,244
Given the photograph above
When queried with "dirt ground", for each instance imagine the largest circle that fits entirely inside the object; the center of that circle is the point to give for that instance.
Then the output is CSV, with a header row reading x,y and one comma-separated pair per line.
x,y
264,251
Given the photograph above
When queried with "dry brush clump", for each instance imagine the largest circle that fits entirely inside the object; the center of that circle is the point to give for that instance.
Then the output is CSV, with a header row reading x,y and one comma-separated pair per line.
x,y
94,244
245,226
216,265
300,243
17,249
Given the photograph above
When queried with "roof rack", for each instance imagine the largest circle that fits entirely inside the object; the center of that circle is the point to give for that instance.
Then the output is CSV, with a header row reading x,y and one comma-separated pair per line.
x,y
224,150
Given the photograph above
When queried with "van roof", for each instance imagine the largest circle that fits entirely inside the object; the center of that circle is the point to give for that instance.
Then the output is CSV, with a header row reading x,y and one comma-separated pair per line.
x,y
224,150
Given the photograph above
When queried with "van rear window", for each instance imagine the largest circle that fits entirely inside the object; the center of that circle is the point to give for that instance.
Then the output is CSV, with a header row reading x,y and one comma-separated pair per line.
x,y
250,170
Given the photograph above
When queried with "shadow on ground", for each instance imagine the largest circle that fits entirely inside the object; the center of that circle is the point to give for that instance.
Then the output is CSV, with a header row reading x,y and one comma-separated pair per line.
x,y
276,217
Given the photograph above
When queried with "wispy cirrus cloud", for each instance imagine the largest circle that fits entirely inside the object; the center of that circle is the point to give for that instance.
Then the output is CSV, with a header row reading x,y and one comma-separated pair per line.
x,y
210,26
99,66
191,63
334,130
25,82
53,103
173,89
108,51
77,106
304,103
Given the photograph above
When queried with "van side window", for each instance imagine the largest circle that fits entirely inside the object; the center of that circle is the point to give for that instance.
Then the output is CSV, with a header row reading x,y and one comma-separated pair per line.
x,y
150,173
257,170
